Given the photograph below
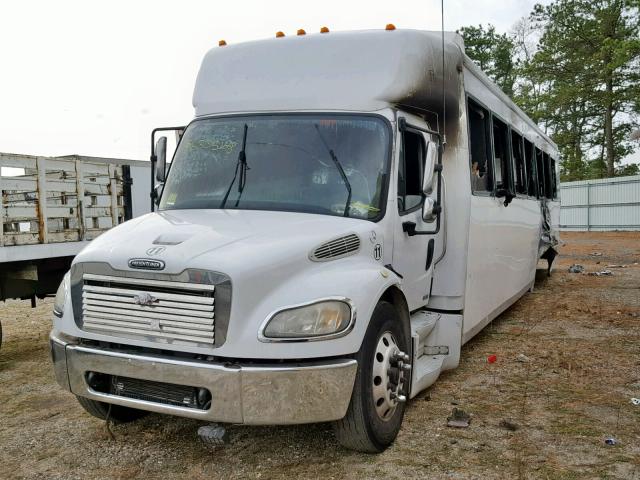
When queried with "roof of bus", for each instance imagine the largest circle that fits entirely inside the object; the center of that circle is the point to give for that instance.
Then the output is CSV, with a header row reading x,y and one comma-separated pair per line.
x,y
364,70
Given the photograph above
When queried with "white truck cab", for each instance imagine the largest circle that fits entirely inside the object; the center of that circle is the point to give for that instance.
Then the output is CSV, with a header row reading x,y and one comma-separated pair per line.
x,y
317,252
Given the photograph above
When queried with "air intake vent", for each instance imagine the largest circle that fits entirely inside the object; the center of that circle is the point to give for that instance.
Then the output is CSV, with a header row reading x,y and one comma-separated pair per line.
x,y
340,247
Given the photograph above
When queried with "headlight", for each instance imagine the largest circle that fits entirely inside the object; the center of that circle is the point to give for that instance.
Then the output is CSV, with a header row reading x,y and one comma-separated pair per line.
x,y
319,319
61,295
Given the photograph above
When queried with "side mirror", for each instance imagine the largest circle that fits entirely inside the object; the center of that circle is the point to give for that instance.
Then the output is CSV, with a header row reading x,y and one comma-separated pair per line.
x,y
429,167
429,210
161,159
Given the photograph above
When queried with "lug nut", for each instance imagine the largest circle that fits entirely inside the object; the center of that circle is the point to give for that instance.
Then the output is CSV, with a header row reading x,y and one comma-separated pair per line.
x,y
406,367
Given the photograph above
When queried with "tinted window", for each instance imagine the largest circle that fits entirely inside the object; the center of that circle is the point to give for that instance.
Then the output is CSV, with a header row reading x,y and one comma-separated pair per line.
x,y
540,173
529,155
517,147
549,176
293,163
480,148
410,171
501,154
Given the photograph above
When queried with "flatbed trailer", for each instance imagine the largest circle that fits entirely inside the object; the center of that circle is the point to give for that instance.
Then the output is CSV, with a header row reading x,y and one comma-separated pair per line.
x,y
52,207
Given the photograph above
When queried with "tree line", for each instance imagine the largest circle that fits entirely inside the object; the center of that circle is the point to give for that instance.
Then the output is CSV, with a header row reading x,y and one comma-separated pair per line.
x,y
574,67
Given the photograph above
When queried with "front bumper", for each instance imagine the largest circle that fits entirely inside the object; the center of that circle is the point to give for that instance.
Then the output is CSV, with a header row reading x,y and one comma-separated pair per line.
x,y
292,393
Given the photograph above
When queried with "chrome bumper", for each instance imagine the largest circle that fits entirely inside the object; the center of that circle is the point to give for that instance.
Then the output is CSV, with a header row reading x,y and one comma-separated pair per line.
x,y
308,392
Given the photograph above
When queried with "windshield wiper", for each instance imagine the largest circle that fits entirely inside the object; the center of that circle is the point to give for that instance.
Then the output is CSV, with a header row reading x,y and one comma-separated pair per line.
x,y
340,169
240,165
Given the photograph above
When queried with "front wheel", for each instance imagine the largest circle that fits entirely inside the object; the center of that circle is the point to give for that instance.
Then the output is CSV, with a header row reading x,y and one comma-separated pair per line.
x,y
377,405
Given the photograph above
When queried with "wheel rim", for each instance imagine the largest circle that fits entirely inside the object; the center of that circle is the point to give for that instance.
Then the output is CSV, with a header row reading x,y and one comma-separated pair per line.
x,y
389,376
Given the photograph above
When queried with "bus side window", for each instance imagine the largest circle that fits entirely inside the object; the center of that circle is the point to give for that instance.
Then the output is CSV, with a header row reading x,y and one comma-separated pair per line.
x,y
517,147
554,178
540,173
502,155
480,148
529,155
410,171
549,174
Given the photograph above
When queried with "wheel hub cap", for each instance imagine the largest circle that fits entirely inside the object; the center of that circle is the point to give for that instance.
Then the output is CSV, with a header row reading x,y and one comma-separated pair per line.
x,y
390,374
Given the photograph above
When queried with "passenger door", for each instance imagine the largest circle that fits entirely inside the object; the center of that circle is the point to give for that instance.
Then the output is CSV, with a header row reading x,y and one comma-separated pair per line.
x,y
412,254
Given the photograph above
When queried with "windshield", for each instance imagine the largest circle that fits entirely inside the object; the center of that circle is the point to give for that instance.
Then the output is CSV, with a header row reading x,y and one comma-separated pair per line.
x,y
327,164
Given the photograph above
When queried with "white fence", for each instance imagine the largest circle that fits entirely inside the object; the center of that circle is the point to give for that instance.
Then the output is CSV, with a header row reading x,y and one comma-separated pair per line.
x,y
601,205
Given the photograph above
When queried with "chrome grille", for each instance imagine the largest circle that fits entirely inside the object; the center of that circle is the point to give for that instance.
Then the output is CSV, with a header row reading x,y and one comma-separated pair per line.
x,y
340,247
160,310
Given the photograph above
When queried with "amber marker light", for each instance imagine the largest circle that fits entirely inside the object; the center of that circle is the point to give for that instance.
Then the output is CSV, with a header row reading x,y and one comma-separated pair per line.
x,y
324,30
222,43
390,26
279,34
301,31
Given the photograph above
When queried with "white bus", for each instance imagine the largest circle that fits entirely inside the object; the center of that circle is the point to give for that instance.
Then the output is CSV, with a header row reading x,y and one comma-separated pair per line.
x,y
344,212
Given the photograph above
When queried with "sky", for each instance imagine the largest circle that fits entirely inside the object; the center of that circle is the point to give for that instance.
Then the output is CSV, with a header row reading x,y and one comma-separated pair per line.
x,y
94,78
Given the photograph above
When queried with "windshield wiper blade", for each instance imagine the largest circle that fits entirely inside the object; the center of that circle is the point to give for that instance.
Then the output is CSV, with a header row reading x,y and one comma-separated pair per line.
x,y
340,169
241,163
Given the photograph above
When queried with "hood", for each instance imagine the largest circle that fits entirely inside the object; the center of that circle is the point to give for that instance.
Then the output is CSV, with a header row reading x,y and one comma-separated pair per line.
x,y
220,240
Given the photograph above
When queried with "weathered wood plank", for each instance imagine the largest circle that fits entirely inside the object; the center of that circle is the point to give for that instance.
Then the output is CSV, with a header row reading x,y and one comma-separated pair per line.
x,y
91,168
17,161
97,211
64,165
20,239
1,206
20,213
19,183
114,195
67,186
65,236
80,197
42,201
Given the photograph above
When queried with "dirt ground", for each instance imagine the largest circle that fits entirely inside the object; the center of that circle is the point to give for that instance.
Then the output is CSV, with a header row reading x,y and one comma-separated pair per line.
x,y
545,417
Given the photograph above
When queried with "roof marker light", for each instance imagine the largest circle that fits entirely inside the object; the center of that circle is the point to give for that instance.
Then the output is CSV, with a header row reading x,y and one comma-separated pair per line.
x,y
301,31
279,34
324,30
390,26
222,43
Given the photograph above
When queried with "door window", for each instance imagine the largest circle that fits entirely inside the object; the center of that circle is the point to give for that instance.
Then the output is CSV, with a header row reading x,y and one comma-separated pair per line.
x,y
410,171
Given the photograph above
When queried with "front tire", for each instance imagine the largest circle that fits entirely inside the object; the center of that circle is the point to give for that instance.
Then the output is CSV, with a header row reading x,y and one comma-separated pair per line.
x,y
377,405
118,413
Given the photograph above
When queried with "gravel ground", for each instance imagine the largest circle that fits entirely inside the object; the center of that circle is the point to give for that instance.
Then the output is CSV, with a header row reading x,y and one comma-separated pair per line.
x,y
543,416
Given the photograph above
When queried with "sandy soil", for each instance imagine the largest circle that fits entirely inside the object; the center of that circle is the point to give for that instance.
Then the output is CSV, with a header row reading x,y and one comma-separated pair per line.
x,y
580,334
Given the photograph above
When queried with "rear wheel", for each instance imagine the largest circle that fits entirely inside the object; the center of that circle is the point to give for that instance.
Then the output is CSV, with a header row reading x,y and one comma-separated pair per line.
x,y
118,413
377,405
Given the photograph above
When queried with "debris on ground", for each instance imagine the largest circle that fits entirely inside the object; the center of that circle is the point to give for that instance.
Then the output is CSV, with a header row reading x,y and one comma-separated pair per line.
x,y
576,268
610,441
635,401
616,266
601,273
509,425
492,359
522,358
458,418
596,254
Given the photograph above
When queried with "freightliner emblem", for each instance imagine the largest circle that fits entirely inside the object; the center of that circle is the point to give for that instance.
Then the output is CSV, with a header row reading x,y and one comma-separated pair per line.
x,y
146,264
